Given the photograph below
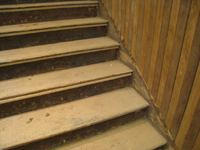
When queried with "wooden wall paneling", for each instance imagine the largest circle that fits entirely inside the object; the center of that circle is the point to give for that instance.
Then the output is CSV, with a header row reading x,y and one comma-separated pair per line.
x,y
130,30
113,9
139,31
176,52
187,45
156,39
110,8
135,28
190,111
150,39
197,143
161,47
145,32
119,16
168,50
116,3
193,132
127,19
187,81
123,3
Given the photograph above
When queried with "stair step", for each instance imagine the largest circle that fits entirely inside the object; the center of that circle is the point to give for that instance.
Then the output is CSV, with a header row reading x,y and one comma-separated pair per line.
x,y
40,12
137,136
34,6
20,29
36,53
46,83
67,117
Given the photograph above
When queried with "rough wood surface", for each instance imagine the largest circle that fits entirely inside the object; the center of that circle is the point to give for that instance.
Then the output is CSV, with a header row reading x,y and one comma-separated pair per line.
x,y
22,55
138,136
68,117
50,26
37,84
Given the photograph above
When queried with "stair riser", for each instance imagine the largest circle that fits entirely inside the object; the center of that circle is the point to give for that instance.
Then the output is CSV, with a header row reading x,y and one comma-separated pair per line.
x,y
27,40
66,62
19,17
39,102
80,134
5,2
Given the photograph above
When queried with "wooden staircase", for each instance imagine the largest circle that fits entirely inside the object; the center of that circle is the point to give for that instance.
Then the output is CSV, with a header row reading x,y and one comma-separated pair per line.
x,y
61,84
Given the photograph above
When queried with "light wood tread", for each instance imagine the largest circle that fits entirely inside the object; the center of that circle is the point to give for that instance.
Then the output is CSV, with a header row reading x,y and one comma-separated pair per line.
x,y
27,28
33,6
35,53
67,117
30,86
137,136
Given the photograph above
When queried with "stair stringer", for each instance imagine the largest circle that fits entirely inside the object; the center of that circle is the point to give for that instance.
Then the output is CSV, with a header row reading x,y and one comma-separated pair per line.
x,y
137,81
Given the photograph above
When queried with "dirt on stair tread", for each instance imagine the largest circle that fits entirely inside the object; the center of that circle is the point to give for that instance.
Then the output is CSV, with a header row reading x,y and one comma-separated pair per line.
x,y
137,136
47,4
53,50
67,117
50,25
59,79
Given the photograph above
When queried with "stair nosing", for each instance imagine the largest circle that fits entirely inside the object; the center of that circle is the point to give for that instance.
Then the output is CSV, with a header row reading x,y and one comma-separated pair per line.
x,y
31,89
59,25
50,5
55,54
138,103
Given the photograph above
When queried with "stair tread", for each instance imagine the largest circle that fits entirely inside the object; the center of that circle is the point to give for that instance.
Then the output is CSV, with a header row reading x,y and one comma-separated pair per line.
x,y
19,28
39,83
137,136
21,55
67,117
48,4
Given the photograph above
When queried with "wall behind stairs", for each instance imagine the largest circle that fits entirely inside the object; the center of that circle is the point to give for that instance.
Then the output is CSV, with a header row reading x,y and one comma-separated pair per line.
x,y
163,37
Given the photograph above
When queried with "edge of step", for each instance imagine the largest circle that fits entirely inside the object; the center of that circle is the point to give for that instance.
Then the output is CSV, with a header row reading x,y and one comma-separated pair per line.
x,y
28,28
35,53
48,5
139,135
50,82
68,117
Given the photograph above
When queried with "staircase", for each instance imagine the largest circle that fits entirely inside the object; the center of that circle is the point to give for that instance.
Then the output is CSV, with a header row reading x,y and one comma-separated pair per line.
x,y
62,86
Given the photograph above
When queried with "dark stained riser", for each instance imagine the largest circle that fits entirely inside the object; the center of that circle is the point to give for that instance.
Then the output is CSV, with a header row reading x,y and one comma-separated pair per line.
x,y
20,17
27,40
36,67
74,136
5,2
35,103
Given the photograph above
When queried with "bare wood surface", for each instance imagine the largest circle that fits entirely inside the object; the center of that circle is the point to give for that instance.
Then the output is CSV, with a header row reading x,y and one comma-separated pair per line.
x,y
59,79
139,136
21,55
67,117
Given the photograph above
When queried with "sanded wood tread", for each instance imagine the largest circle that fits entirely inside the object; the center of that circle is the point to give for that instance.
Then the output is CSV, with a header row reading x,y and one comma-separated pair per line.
x,y
35,53
9,30
137,136
50,5
30,86
40,124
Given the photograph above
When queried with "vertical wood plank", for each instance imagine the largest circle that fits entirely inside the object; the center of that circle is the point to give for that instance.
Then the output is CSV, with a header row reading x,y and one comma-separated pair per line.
x,y
150,39
113,9
128,7
116,12
119,16
187,45
144,35
161,47
140,31
135,28
168,50
123,19
110,8
197,143
130,30
190,111
176,52
156,38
